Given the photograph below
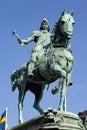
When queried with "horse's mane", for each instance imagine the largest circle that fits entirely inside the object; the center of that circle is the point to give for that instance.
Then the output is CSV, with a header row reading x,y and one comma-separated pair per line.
x,y
56,31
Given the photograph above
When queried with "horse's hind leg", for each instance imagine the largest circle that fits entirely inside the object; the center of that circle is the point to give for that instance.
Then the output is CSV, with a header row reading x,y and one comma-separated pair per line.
x,y
38,97
20,105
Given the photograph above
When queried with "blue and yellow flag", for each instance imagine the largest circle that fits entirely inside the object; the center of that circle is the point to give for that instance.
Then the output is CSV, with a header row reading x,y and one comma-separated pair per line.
x,y
2,120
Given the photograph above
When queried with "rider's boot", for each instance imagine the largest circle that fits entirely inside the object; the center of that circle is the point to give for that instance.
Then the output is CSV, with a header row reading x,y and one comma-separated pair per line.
x,y
30,69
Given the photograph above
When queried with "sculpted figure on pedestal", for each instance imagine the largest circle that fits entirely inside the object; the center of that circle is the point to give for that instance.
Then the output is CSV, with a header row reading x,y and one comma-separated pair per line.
x,y
51,59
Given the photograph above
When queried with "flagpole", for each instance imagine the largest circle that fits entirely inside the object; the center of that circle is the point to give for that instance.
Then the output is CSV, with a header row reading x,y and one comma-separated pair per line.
x,y
6,124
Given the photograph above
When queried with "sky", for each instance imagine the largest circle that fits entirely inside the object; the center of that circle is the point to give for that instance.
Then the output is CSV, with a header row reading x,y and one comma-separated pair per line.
x,y
25,16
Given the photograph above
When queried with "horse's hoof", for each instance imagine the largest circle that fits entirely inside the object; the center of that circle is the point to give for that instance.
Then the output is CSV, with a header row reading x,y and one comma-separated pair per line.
x,y
70,83
63,73
60,109
54,90
20,121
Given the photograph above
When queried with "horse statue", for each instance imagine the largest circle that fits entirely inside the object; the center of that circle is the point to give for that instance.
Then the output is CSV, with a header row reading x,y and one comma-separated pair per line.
x,y
56,63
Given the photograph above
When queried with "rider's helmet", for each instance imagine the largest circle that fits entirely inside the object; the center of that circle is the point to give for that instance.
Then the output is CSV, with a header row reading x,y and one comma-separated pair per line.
x,y
45,25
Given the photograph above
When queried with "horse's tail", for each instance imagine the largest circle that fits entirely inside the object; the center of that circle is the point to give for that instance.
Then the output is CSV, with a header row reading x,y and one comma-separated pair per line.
x,y
14,77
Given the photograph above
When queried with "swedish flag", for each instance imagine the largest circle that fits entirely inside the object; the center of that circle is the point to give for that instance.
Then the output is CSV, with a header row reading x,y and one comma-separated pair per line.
x,y
3,120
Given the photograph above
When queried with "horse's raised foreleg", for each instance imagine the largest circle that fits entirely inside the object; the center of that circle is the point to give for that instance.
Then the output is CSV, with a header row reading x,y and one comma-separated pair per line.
x,y
68,79
62,105
38,97
56,68
57,87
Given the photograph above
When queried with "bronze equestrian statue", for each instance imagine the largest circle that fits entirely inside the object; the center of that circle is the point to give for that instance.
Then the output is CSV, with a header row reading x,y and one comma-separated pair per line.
x,y
53,61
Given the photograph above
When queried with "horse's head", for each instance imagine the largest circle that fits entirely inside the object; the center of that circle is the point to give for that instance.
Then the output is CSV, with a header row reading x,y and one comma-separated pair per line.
x,y
64,27
66,24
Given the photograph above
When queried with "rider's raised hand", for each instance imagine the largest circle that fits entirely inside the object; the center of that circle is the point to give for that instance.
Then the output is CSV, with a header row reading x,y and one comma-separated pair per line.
x,y
19,40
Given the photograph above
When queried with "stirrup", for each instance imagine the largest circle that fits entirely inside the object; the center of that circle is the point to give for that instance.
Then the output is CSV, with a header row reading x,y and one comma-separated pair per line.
x,y
31,75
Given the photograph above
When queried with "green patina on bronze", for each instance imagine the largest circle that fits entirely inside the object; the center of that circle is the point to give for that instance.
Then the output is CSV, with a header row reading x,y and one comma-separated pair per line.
x,y
51,59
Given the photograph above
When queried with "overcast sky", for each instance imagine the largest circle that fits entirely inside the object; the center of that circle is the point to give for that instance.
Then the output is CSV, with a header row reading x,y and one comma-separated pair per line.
x,y
25,16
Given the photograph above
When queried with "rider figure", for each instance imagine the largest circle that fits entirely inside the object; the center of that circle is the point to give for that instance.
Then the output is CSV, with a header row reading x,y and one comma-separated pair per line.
x,y
42,38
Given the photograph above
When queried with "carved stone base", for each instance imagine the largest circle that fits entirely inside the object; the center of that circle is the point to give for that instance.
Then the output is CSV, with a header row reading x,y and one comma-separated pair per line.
x,y
52,120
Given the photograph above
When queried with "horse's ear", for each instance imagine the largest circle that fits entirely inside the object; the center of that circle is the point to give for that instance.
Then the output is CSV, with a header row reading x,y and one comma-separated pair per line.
x,y
63,12
71,13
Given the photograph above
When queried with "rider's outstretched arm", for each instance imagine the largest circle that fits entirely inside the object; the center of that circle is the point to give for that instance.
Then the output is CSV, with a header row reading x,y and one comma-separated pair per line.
x,y
27,40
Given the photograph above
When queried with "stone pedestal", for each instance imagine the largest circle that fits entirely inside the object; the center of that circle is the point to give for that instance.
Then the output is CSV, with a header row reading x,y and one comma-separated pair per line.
x,y
52,120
